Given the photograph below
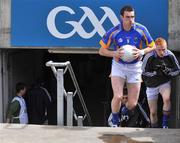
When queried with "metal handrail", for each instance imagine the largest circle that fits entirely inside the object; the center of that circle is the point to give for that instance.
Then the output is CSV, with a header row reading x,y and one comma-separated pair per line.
x,y
69,67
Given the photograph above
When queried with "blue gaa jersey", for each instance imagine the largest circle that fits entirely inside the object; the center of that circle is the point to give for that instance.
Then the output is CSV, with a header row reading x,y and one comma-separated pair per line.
x,y
118,37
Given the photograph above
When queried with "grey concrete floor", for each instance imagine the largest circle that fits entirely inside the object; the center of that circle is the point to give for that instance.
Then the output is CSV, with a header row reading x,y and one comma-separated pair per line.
x,y
16,133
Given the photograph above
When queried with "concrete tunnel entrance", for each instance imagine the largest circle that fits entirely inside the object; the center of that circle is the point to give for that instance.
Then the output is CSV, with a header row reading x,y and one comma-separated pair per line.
x,y
91,71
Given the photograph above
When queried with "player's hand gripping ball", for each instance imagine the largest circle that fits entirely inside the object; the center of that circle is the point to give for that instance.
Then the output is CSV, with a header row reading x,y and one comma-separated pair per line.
x,y
128,53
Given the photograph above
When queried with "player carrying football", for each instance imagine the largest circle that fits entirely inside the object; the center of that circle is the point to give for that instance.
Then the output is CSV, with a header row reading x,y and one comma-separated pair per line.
x,y
128,32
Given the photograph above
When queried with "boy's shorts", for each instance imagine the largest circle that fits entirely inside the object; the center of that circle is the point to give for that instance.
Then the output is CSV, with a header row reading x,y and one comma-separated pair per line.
x,y
153,92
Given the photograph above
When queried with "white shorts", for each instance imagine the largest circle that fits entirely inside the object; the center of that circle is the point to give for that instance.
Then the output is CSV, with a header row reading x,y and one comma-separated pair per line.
x,y
130,72
153,92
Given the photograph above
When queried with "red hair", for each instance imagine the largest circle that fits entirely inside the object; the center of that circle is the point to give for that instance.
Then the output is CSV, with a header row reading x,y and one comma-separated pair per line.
x,y
160,41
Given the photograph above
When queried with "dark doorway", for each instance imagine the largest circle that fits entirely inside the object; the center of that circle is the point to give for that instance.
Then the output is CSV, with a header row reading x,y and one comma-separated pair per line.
x,y
91,71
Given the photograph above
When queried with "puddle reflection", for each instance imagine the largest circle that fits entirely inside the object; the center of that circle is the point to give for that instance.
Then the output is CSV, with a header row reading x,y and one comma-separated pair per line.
x,y
117,138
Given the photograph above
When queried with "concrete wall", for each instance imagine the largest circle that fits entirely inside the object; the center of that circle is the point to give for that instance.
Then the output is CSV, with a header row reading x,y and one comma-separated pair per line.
x,y
5,11
4,84
1,92
174,28
174,45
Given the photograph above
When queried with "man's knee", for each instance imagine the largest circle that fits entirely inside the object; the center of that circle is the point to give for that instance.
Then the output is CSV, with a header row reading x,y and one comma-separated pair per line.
x,y
132,105
117,98
166,100
153,114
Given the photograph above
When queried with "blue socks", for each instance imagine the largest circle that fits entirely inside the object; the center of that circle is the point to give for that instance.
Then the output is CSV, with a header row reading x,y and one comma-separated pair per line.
x,y
115,119
115,116
165,120
124,110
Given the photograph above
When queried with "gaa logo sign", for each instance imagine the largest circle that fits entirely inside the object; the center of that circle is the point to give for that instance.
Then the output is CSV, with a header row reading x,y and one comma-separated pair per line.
x,y
77,25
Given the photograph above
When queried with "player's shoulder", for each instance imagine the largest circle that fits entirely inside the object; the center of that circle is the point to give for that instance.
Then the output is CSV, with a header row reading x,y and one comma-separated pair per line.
x,y
111,32
150,54
169,52
113,29
148,57
139,26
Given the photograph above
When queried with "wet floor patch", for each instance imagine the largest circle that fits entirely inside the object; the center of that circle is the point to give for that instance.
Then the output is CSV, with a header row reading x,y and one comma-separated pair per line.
x,y
117,138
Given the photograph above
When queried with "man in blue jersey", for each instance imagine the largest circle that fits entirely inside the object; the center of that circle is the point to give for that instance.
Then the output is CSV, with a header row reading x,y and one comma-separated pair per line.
x,y
128,32
159,67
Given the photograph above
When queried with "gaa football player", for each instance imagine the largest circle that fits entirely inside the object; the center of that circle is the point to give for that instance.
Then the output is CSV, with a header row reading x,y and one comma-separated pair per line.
x,y
128,32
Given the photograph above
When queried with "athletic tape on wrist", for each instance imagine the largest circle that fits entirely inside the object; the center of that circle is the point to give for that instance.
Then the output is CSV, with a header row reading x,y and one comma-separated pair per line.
x,y
142,52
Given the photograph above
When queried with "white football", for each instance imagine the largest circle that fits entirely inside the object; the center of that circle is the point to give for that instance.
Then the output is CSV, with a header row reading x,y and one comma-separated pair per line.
x,y
128,53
